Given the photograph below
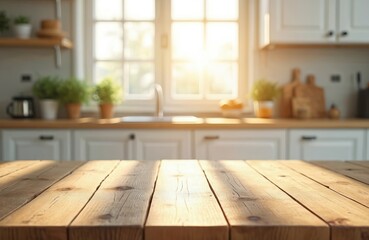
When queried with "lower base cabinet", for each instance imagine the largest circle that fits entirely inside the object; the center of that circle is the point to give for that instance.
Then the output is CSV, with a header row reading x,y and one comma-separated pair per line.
x,y
328,144
240,144
132,144
36,145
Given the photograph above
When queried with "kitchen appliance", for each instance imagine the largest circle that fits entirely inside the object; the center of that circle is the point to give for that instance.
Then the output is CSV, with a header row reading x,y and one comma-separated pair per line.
x,y
363,99
21,107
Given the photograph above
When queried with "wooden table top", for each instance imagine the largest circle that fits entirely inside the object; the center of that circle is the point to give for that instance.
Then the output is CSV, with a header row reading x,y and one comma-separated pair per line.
x,y
184,199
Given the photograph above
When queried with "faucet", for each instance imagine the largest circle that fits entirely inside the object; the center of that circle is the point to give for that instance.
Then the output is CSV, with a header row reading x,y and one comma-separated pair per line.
x,y
158,100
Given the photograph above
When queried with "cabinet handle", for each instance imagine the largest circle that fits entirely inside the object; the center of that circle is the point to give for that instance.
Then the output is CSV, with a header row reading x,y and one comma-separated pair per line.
x,y
308,138
132,137
211,137
330,34
344,33
46,137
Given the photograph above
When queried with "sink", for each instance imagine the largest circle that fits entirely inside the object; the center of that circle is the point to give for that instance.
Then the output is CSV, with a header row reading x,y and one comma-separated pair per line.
x,y
173,119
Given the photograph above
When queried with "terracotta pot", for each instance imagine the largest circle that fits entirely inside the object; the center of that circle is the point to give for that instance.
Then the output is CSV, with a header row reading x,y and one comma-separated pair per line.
x,y
73,110
264,109
106,110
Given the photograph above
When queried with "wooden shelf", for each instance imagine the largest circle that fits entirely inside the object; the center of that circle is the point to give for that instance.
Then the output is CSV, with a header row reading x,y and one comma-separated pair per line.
x,y
36,42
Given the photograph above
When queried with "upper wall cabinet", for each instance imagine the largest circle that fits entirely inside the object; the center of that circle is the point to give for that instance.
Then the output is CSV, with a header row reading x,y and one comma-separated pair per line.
x,y
291,22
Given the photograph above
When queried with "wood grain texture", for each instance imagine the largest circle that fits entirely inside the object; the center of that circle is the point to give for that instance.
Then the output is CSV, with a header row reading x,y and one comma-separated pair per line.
x,y
315,95
343,185
119,207
347,219
10,167
20,187
361,163
354,171
257,209
183,206
49,214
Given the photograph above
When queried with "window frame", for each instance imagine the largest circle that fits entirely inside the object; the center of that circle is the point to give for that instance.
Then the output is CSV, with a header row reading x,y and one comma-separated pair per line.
x,y
84,58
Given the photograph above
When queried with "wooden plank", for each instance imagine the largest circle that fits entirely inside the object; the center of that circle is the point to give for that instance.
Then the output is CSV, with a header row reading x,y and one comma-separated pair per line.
x,y
354,171
256,209
35,42
361,163
48,215
13,166
346,186
119,208
22,186
183,206
347,219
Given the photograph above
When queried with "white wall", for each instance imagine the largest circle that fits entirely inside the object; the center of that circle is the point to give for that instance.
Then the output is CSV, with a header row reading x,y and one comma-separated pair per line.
x,y
272,64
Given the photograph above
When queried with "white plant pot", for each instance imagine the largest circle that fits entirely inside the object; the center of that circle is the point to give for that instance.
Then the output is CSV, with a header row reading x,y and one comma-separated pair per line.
x,y
22,30
264,109
49,109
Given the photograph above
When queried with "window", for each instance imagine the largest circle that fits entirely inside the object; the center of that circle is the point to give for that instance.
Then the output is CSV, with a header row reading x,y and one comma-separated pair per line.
x,y
196,49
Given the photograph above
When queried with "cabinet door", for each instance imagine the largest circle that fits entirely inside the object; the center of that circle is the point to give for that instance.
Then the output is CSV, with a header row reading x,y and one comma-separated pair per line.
x,y
162,144
332,144
36,144
302,21
240,144
103,144
354,21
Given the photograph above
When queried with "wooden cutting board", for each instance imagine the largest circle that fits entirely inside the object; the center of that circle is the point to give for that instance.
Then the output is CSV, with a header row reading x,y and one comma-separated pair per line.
x,y
287,94
315,95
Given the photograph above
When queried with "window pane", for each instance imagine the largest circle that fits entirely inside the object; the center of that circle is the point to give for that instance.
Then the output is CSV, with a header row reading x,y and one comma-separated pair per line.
x,y
187,40
139,41
139,79
222,41
139,9
187,79
222,9
111,11
108,41
187,9
108,69
222,79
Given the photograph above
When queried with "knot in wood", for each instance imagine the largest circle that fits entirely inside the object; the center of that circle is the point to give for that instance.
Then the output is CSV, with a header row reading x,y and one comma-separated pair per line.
x,y
122,188
105,216
254,218
64,189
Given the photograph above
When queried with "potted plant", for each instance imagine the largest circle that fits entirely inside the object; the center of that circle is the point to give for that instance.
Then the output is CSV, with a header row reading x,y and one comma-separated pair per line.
x,y
22,27
107,93
47,90
73,92
264,93
4,22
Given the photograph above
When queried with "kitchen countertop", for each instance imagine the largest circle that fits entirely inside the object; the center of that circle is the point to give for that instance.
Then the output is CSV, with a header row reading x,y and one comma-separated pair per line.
x,y
184,199
202,123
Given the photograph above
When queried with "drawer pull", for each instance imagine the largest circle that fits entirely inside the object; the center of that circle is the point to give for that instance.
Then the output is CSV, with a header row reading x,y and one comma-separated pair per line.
x,y
211,137
132,137
308,138
46,138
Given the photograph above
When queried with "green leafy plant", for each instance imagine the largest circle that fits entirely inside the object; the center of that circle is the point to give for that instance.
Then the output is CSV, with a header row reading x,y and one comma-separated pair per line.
x,y
47,87
73,90
4,22
264,90
107,91
21,20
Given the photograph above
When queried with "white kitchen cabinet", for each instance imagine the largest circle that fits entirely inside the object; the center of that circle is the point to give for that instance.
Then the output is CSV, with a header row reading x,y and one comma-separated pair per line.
x,y
327,144
132,144
313,22
36,144
163,144
103,144
240,144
